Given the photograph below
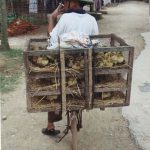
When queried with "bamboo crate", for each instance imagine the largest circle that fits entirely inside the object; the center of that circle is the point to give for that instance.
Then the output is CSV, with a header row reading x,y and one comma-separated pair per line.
x,y
111,81
48,87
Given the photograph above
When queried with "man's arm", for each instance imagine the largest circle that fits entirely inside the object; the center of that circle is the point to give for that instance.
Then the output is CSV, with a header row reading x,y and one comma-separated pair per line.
x,y
51,23
52,18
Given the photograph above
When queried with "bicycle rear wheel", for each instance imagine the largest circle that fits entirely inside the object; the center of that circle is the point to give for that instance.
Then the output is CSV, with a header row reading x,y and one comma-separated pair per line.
x,y
74,132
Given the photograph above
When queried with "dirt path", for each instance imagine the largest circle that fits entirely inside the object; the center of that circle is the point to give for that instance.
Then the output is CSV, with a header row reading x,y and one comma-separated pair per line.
x,y
105,130
102,130
138,113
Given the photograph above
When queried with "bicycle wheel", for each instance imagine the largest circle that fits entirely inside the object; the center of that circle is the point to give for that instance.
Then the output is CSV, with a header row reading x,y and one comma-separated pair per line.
x,y
74,132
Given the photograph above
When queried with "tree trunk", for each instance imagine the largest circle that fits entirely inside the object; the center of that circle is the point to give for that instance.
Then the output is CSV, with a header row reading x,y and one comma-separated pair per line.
x,y
4,35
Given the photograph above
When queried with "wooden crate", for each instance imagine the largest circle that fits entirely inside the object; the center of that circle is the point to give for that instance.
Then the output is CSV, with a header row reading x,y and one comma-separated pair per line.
x,y
40,80
88,93
111,85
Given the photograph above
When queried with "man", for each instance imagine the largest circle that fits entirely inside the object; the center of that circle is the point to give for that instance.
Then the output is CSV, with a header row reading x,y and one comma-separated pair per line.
x,y
74,18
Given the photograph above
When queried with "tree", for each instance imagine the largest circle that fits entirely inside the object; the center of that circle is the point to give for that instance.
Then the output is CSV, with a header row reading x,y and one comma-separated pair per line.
x,y
4,35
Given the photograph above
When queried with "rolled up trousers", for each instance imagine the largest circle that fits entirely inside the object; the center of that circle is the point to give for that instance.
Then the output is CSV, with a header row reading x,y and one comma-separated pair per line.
x,y
54,116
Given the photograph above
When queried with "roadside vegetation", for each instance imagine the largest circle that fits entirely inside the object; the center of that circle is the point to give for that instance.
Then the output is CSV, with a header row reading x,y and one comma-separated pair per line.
x,y
11,67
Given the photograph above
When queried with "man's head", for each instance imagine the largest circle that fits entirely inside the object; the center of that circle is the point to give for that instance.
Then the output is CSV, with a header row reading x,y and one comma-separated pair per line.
x,y
76,4
71,4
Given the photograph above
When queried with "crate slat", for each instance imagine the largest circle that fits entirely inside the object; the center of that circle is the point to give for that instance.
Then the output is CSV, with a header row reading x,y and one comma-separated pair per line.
x,y
108,89
63,79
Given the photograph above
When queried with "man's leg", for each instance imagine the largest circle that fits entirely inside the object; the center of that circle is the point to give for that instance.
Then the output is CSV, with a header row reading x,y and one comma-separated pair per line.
x,y
52,117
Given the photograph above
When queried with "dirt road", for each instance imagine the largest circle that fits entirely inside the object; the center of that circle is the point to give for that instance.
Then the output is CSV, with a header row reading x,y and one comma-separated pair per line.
x,y
102,130
128,20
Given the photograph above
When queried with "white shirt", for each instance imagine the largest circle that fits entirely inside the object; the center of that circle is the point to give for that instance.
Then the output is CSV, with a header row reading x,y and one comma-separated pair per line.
x,y
81,23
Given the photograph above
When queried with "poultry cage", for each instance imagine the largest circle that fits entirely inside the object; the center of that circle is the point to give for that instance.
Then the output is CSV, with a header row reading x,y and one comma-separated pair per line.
x,y
112,63
54,77
73,79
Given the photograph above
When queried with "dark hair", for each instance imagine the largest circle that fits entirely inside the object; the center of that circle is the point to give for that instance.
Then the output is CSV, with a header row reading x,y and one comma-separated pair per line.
x,y
80,3
72,1
51,5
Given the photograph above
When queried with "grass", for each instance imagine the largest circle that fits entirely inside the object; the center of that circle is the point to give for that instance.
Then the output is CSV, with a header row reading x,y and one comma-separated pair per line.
x,y
11,67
